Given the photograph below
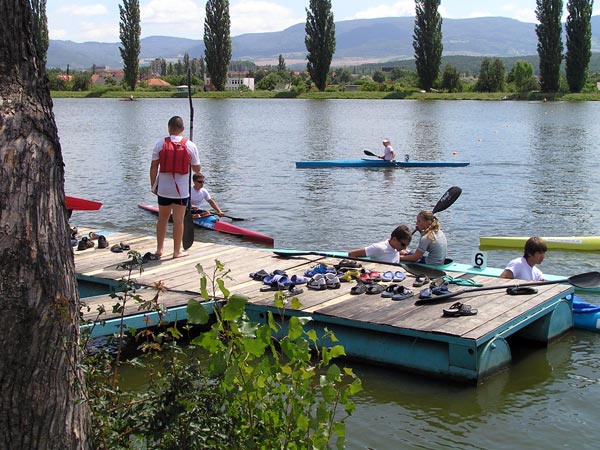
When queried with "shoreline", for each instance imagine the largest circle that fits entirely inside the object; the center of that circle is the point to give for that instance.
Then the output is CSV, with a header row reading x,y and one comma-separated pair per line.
x,y
356,95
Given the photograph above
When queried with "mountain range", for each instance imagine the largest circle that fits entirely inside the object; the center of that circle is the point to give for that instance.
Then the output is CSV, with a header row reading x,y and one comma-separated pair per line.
x,y
357,42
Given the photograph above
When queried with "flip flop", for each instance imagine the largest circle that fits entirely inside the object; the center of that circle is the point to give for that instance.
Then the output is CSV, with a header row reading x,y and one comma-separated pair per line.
x,y
420,281
296,279
359,288
403,293
387,276
390,291
398,276
374,289
149,256
459,309
521,290
375,276
260,275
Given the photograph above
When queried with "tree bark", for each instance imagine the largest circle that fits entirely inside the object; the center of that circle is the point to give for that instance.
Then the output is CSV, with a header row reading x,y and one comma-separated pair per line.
x,y
39,352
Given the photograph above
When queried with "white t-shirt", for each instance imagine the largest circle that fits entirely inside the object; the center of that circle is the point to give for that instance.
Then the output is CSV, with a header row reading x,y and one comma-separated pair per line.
x,y
383,251
169,183
387,153
199,196
523,271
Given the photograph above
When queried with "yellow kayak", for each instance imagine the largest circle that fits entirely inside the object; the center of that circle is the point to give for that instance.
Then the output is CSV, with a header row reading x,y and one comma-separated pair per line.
x,y
577,243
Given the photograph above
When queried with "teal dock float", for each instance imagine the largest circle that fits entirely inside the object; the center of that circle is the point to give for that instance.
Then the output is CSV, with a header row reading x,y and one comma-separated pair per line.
x,y
372,328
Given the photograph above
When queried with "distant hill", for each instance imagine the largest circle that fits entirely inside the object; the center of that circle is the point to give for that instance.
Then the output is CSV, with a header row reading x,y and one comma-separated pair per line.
x,y
358,41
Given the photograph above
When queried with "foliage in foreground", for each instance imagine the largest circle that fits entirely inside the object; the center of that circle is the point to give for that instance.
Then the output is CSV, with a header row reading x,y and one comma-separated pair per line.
x,y
234,386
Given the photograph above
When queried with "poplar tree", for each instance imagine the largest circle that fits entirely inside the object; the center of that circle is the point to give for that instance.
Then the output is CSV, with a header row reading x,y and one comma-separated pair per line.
x,y
129,33
579,43
40,28
217,42
549,31
427,42
41,406
319,41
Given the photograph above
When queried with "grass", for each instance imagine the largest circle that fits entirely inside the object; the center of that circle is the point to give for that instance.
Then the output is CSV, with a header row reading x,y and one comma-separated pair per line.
x,y
355,95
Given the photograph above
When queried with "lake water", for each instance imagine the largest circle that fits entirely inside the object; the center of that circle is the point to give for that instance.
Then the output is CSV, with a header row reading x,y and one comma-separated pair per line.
x,y
534,170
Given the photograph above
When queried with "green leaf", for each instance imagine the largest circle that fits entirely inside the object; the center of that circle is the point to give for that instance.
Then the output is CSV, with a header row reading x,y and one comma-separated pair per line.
x,y
295,329
196,313
235,307
222,288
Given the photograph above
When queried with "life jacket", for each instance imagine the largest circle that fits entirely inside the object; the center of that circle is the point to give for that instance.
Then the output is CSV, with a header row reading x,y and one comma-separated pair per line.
x,y
174,156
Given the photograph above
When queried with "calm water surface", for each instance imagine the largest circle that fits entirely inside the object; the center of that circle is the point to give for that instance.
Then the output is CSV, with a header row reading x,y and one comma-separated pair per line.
x,y
534,171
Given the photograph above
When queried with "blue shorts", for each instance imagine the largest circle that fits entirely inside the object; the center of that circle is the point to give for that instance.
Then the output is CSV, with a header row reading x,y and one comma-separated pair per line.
x,y
165,201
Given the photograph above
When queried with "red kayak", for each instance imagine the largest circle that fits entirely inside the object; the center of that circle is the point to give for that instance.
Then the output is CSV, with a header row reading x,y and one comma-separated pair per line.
x,y
213,223
81,204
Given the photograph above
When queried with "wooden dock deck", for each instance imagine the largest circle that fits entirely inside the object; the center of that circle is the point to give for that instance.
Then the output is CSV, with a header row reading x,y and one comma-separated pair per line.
x,y
371,327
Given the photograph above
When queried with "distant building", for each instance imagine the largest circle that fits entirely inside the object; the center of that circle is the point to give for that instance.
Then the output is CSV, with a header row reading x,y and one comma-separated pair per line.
x,y
234,83
157,82
100,78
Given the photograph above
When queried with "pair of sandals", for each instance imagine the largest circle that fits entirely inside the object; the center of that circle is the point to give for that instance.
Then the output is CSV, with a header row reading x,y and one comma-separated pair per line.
x,y
119,248
459,309
320,282
430,292
397,292
370,289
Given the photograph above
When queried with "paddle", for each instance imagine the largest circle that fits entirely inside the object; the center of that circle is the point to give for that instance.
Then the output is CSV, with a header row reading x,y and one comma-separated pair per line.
x,y
188,221
236,218
412,268
447,200
586,280
368,153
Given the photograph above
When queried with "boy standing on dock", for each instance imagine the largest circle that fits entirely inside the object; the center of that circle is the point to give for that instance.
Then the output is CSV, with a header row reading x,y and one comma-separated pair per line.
x,y
171,161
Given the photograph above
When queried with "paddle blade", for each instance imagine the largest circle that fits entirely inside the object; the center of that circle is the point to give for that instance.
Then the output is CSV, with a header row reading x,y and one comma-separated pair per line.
x,y
188,229
447,199
587,280
368,153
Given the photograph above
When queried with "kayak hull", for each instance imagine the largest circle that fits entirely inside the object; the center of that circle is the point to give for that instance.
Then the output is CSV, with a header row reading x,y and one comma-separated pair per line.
x,y
576,243
81,204
376,163
213,223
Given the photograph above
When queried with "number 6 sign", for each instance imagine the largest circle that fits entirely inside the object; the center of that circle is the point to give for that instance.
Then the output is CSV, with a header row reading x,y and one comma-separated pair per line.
x,y
479,260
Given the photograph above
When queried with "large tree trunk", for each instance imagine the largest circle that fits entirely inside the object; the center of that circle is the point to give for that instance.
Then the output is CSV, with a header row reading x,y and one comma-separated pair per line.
x,y
39,397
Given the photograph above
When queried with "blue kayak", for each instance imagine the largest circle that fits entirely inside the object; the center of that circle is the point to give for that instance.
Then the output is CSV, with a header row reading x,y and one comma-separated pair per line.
x,y
365,162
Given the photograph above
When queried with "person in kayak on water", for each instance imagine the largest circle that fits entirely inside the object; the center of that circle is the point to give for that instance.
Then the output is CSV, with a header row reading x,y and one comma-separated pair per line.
x,y
171,160
389,153
198,194
388,250
523,268
432,241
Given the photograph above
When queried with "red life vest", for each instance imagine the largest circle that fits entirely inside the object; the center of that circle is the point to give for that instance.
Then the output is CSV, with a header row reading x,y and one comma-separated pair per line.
x,y
174,156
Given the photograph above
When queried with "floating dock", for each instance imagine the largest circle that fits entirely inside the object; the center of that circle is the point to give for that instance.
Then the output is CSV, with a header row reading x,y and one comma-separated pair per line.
x,y
370,327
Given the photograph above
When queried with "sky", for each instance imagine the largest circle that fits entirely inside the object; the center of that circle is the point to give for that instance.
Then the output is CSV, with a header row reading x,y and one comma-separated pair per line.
x,y
98,20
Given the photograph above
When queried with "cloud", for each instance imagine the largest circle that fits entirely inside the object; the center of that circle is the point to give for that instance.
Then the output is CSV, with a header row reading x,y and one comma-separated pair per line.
x,y
83,10
255,16
398,9
177,18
